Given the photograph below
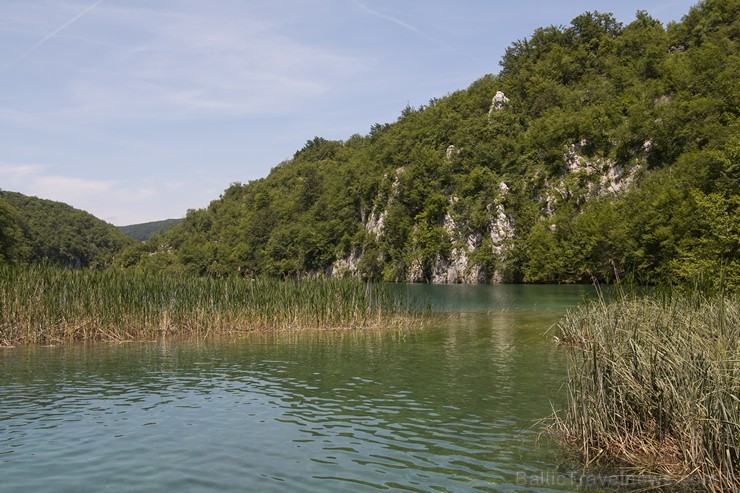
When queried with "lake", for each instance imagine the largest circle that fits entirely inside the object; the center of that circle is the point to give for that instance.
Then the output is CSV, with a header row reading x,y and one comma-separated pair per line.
x,y
450,407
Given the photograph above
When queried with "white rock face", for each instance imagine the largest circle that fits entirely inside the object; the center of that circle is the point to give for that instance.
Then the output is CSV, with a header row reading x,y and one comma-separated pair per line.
x,y
345,267
458,269
376,222
498,102
502,228
596,177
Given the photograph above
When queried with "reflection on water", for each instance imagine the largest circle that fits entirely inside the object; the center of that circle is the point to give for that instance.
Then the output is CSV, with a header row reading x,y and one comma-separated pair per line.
x,y
446,408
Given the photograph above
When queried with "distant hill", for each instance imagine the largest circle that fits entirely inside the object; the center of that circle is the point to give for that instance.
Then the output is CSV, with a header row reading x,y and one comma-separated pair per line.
x,y
38,230
144,231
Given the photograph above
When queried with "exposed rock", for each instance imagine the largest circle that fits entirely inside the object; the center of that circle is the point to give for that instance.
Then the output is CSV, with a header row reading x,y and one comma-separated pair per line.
x,y
451,152
612,181
458,268
416,271
498,102
345,267
589,177
502,228
455,267
376,222
502,231
574,161
663,100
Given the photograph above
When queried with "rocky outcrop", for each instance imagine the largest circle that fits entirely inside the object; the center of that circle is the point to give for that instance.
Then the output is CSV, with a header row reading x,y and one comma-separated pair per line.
x,y
458,266
498,102
346,267
586,178
375,222
502,231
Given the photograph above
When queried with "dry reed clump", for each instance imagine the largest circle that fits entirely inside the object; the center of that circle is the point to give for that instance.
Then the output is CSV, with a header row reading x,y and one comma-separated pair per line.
x,y
45,305
654,387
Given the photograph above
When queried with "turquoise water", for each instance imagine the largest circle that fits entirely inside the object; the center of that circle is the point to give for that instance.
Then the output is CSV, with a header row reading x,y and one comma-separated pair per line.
x,y
452,407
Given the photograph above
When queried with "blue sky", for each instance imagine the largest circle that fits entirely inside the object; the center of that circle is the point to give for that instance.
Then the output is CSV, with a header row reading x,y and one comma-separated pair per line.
x,y
138,110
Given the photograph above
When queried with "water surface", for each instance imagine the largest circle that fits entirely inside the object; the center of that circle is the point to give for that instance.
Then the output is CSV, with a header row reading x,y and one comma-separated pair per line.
x,y
451,407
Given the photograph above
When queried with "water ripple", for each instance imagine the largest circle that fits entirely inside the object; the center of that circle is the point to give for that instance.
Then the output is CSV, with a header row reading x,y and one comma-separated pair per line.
x,y
242,416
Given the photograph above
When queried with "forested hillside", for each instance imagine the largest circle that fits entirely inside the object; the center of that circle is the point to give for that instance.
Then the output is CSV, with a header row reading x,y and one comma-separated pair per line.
x,y
599,149
144,231
34,230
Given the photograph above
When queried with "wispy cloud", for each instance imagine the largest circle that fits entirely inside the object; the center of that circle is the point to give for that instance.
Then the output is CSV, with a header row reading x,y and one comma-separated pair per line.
x,y
415,30
35,179
385,17
70,189
15,172
52,34
192,61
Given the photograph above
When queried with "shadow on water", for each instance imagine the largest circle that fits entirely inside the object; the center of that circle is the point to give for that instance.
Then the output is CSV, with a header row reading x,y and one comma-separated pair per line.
x,y
450,407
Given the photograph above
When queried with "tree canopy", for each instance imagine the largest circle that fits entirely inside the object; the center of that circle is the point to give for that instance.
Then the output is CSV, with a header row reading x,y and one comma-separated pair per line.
x,y
35,230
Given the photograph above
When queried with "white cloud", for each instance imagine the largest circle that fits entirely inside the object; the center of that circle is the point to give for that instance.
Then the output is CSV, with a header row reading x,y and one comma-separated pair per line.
x,y
70,189
14,172
84,193
197,62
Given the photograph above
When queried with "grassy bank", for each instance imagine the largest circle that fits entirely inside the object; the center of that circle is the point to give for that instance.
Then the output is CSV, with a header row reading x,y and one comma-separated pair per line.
x,y
42,305
654,388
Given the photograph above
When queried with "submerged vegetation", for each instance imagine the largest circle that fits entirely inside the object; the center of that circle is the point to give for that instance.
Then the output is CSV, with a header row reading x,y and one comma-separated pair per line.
x,y
48,305
654,387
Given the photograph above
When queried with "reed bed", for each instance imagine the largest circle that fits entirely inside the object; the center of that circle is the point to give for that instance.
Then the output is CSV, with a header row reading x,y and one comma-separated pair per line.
x,y
654,389
48,305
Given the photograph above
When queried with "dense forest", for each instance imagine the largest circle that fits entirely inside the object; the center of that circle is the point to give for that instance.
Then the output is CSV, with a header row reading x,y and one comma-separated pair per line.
x,y
144,231
598,150
34,230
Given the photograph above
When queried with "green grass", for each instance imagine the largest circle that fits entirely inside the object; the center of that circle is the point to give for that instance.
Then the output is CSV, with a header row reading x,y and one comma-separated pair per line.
x,y
48,305
654,387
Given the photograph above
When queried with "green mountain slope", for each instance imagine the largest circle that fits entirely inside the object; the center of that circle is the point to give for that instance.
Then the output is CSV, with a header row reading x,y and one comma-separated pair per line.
x,y
598,150
38,230
144,231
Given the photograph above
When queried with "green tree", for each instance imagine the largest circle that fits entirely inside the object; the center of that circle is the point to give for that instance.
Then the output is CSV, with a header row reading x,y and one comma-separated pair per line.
x,y
10,234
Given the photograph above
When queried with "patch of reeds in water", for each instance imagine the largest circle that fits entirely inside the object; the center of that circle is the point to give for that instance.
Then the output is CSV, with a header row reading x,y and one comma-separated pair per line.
x,y
46,305
654,388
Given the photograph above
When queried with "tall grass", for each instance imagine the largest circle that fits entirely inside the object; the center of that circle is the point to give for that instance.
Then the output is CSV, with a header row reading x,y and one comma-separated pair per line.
x,y
45,304
654,387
